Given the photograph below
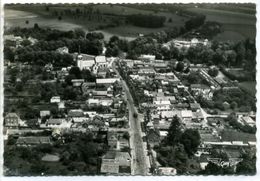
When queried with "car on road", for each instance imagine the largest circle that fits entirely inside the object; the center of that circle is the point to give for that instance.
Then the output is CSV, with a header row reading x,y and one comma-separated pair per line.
x,y
135,115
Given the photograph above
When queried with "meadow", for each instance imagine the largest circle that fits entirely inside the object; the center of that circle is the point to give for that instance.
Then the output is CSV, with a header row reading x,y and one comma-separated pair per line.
x,y
237,24
248,86
17,15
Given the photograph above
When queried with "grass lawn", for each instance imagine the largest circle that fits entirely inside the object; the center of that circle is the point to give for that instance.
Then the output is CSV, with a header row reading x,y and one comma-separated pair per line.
x,y
229,35
250,87
232,135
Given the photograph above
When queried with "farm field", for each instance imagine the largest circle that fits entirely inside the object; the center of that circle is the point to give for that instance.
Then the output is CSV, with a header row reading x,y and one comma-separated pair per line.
x,y
249,86
243,24
18,16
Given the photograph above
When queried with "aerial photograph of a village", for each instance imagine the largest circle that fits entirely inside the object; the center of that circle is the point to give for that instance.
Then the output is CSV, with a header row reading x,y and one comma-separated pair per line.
x,y
129,89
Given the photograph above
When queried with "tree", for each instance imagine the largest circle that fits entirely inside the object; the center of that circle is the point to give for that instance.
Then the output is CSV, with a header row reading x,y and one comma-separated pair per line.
x,y
79,33
214,169
240,50
213,72
180,66
193,78
8,53
95,35
36,26
233,105
247,166
174,132
191,140
87,75
69,94
76,72
25,42
68,79
173,156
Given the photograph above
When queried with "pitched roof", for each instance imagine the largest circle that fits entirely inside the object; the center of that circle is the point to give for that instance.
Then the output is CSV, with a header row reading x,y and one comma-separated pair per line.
x,y
100,59
186,113
75,113
199,86
55,121
107,81
34,140
12,115
86,57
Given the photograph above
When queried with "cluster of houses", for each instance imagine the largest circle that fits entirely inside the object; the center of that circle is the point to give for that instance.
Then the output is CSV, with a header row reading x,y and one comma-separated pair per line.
x,y
104,109
186,43
164,96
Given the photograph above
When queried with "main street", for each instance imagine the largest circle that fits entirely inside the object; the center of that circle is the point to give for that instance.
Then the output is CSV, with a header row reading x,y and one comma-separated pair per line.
x,y
139,166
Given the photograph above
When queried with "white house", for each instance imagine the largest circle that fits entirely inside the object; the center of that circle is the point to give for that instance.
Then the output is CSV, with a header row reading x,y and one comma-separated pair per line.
x,y
55,99
85,61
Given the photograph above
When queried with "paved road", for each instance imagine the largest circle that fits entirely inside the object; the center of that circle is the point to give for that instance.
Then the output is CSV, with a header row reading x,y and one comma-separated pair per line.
x,y
139,166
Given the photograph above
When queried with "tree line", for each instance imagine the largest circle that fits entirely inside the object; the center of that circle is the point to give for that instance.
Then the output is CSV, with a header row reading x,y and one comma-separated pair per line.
x,y
148,21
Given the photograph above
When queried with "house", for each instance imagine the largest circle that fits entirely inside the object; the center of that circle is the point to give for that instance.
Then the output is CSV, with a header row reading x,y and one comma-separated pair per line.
x,y
194,107
93,102
90,114
129,63
146,71
186,114
247,120
123,143
61,105
100,62
102,73
79,119
147,57
75,113
54,122
159,64
33,141
44,113
106,102
77,82
55,99
197,116
114,162
99,93
170,114
63,50
12,120
203,160
107,81
201,89
226,105
165,98
85,61
167,171
100,59
118,122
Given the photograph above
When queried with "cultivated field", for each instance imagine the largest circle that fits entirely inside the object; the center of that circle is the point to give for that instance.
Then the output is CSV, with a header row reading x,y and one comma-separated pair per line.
x,y
249,87
237,25
16,16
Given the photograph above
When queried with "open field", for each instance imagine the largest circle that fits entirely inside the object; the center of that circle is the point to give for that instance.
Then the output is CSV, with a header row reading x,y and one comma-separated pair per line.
x,y
249,87
16,16
232,135
236,25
